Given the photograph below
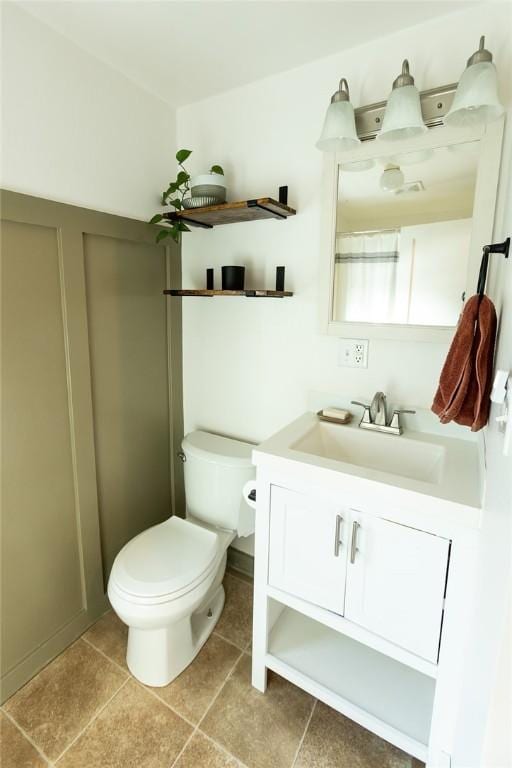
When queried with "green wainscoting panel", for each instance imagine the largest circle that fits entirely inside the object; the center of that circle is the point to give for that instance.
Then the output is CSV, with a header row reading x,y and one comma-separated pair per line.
x,y
92,414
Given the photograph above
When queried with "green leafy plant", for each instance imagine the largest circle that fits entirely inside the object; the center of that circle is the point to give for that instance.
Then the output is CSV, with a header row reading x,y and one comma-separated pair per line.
x,y
174,195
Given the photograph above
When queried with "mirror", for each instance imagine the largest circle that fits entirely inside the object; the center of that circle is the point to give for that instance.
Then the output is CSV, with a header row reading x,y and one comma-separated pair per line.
x,y
402,236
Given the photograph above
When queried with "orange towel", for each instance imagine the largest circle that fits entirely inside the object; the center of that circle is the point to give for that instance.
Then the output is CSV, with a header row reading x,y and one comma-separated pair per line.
x,y
465,384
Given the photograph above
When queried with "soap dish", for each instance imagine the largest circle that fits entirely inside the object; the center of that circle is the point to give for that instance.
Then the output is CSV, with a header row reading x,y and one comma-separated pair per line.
x,y
333,420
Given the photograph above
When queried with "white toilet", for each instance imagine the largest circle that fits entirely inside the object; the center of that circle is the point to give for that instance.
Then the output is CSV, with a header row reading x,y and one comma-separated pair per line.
x,y
166,583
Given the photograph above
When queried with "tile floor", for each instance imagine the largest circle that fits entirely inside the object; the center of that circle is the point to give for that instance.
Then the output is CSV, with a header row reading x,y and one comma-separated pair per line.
x,y
84,710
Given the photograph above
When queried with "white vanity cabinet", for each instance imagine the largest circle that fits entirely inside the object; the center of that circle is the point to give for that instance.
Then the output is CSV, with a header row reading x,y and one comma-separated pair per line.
x,y
364,578
386,577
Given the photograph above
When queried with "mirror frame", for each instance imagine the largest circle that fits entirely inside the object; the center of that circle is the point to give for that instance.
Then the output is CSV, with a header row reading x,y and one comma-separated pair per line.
x,y
486,188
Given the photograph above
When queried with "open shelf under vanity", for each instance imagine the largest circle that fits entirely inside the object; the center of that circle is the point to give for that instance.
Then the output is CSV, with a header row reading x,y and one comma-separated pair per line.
x,y
383,695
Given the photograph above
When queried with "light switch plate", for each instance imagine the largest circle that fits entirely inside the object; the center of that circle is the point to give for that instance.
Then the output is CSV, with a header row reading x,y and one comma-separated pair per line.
x,y
353,353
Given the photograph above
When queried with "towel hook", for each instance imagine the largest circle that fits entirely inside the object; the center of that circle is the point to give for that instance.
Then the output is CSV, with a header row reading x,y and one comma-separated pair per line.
x,y
503,248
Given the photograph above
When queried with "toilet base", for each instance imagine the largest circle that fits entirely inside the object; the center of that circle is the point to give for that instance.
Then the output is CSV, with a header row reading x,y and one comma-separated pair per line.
x,y
157,656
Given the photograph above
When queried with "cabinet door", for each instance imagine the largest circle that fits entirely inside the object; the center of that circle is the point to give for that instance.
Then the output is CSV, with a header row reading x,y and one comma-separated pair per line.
x,y
308,550
396,579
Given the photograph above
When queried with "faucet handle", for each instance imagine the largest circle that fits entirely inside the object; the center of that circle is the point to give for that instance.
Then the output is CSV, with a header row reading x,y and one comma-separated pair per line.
x,y
366,415
395,419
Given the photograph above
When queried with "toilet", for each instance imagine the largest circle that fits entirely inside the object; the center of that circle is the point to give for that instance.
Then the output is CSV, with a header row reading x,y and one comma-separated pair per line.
x,y
166,583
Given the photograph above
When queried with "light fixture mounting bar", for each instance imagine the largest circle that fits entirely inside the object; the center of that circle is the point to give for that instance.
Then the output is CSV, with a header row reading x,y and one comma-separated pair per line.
x,y
435,103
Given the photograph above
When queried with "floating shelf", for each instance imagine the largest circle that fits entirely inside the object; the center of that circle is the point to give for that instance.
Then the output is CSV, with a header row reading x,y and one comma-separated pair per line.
x,y
258,294
232,213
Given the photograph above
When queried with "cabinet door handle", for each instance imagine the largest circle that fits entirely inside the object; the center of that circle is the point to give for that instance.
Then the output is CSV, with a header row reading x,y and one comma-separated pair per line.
x,y
353,545
337,541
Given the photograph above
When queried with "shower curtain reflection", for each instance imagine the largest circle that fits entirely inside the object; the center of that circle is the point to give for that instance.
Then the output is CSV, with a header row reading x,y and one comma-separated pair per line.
x,y
365,276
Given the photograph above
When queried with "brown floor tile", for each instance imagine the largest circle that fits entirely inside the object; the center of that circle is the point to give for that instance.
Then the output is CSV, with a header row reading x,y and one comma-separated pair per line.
x,y
16,751
59,702
261,730
192,692
110,636
135,730
240,575
235,624
334,741
201,753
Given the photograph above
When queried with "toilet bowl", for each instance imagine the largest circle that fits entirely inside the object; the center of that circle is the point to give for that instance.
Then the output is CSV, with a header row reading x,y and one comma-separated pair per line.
x,y
166,583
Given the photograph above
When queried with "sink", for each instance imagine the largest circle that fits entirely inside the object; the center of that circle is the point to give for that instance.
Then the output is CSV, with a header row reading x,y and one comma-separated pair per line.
x,y
443,472
411,458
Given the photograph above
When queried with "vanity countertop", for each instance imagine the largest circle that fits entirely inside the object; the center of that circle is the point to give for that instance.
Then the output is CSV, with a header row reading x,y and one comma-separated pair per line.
x,y
440,475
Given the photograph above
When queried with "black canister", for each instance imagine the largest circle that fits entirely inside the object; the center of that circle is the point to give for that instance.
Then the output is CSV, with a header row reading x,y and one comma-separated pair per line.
x,y
233,278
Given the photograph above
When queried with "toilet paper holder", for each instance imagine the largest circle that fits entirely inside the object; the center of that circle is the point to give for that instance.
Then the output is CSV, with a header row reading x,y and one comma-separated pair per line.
x,y
249,493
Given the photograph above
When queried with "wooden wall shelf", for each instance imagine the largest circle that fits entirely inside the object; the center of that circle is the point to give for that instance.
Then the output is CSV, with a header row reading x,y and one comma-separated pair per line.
x,y
232,213
258,294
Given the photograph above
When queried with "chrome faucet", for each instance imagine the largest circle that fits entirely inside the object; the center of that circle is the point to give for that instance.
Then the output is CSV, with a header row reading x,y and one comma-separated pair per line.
x,y
375,416
378,409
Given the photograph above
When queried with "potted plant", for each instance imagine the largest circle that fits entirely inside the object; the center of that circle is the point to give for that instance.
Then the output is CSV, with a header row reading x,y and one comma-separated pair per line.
x,y
176,194
211,184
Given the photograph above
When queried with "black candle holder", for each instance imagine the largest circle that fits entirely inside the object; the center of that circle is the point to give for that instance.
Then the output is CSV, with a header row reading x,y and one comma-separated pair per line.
x,y
233,278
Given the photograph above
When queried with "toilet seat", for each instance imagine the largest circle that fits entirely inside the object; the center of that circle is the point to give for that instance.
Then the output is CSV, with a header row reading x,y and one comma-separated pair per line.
x,y
165,562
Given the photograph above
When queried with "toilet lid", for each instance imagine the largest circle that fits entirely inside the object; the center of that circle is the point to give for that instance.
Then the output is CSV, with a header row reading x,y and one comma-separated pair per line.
x,y
164,559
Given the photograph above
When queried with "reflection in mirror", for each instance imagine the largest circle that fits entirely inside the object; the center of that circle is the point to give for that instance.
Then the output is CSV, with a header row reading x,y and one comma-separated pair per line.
x,y
403,230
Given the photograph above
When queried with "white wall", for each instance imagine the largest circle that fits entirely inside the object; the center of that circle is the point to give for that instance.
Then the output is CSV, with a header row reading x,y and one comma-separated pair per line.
x,y
439,253
249,364
497,751
75,130
485,726
498,734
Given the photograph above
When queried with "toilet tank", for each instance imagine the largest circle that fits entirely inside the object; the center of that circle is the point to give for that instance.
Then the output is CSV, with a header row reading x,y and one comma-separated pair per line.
x,y
216,470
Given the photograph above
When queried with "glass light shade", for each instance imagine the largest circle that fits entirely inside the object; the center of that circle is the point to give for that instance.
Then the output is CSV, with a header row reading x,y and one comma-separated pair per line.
x,y
476,99
402,118
392,178
339,131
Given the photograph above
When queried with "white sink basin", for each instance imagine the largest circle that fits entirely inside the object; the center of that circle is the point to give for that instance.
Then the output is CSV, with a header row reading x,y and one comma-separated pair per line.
x,y
394,455
442,472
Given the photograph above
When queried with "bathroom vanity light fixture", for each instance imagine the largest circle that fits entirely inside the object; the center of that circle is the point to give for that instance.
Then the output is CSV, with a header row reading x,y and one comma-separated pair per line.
x,y
476,99
339,131
392,178
403,118
409,112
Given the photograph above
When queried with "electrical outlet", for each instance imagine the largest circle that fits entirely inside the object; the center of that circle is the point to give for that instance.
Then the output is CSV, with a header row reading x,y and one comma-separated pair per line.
x,y
353,353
